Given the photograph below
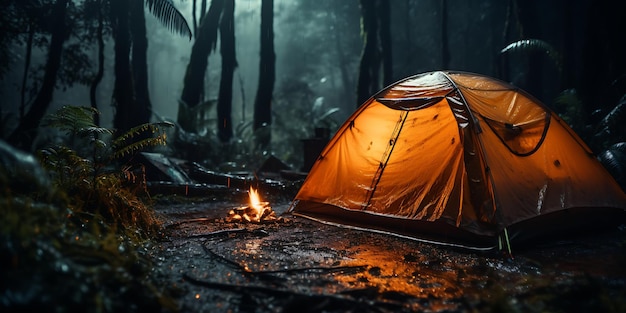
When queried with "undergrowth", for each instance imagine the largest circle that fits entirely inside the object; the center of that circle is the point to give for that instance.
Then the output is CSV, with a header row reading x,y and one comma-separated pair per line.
x,y
76,228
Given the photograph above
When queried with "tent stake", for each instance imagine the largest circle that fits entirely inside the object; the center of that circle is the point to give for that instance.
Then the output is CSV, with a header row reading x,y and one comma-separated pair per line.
x,y
508,243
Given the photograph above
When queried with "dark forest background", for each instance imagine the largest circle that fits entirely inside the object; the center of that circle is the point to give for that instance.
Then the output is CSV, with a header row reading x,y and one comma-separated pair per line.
x,y
243,79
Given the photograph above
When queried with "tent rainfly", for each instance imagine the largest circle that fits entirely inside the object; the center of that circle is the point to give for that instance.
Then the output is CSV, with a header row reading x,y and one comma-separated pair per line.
x,y
459,159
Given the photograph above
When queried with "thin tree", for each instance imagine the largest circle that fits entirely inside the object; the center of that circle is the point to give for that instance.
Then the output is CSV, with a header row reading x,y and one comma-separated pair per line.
x,y
142,109
194,20
445,47
202,10
384,34
27,59
369,66
229,63
604,65
131,95
123,95
193,84
267,76
376,33
100,72
26,131
530,28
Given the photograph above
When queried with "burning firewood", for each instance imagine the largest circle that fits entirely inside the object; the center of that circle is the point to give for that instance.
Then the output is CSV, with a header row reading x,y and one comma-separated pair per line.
x,y
258,211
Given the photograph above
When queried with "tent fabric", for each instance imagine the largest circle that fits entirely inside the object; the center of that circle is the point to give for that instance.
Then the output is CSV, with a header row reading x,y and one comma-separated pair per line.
x,y
456,155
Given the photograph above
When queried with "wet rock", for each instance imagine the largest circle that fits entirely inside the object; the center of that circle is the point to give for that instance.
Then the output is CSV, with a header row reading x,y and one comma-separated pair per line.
x,y
21,172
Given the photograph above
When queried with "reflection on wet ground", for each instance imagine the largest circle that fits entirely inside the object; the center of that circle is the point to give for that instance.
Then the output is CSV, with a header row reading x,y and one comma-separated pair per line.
x,y
301,265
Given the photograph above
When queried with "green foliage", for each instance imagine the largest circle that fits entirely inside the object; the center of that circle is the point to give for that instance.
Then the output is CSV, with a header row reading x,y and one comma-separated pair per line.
x,y
166,13
55,258
611,125
569,105
74,120
92,182
614,159
85,245
123,145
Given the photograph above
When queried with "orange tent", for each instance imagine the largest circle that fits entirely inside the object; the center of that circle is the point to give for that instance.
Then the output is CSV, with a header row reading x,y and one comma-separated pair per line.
x,y
462,159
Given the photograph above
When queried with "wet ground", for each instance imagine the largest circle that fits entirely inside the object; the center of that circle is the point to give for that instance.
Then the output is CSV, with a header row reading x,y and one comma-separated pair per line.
x,y
297,265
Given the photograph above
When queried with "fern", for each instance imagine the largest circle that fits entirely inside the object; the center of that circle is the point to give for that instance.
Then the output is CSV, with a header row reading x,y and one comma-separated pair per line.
x,y
126,150
71,119
67,168
94,191
122,148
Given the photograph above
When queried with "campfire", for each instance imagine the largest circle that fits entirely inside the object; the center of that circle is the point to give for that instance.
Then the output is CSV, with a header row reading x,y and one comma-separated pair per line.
x,y
256,212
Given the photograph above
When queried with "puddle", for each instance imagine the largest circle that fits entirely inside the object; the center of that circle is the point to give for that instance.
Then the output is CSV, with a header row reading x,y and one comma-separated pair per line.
x,y
278,266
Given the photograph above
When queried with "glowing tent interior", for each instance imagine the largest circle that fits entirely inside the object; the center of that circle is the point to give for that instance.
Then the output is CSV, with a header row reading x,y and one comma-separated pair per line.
x,y
458,158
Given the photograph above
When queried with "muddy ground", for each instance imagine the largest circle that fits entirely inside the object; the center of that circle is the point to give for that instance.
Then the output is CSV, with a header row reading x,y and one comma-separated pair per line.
x,y
298,265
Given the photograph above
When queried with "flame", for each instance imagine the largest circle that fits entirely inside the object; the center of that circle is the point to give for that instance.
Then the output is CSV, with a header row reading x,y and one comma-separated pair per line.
x,y
258,211
255,201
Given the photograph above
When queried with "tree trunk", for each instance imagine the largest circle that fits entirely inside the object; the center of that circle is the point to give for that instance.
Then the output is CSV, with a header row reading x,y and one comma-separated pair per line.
x,y
445,48
203,10
502,66
142,108
27,59
96,81
193,17
533,82
346,76
229,63
267,76
369,65
123,87
25,133
604,67
194,77
384,34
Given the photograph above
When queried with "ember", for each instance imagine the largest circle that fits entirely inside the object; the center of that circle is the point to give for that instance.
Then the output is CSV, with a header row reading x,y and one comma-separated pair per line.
x,y
258,211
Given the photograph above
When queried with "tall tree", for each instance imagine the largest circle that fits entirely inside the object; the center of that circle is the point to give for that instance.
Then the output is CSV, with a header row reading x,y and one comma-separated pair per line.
x,y
142,109
267,76
193,17
375,30
445,48
27,59
604,68
131,95
193,84
368,67
531,28
229,63
123,90
100,72
202,10
384,34
25,133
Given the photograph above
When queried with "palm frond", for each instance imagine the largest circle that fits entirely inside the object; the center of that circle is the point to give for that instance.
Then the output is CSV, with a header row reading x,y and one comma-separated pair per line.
x,y
535,45
168,14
